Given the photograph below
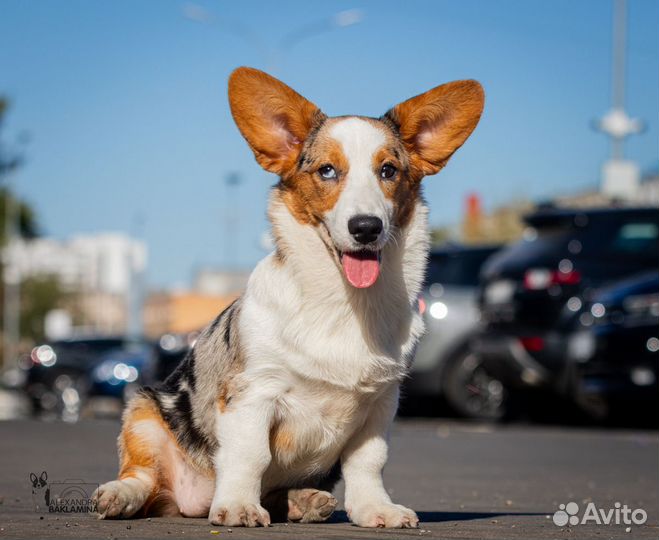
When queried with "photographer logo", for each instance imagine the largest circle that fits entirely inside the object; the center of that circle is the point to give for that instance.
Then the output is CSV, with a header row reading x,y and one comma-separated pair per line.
x,y
62,496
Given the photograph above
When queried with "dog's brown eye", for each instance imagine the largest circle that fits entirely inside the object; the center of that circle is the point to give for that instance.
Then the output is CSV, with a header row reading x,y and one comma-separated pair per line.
x,y
388,171
327,172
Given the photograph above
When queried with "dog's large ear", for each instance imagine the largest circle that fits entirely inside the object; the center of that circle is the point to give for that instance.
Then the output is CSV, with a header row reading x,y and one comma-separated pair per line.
x,y
274,119
435,124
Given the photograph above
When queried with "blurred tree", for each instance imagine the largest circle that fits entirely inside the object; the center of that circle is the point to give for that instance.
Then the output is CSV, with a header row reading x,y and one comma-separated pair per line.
x,y
10,161
441,235
27,222
39,295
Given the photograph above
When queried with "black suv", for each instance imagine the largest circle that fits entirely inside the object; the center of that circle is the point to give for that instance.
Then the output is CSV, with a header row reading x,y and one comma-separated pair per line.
x,y
531,290
613,350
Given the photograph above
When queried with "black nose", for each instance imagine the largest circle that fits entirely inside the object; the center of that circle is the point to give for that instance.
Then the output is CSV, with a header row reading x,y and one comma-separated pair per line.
x,y
365,229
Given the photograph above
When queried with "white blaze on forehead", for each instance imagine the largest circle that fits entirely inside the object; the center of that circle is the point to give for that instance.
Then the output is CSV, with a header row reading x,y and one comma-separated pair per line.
x,y
361,194
360,140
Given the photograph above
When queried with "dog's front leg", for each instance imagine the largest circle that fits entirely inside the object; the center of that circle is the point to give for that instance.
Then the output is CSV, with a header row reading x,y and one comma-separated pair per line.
x,y
243,456
367,502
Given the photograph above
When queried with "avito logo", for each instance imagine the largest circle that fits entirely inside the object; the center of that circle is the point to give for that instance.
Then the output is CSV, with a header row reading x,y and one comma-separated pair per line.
x,y
620,514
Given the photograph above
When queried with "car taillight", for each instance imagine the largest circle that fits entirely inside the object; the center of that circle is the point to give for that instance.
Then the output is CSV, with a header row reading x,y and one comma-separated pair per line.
x,y
532,344
567,278
43,355
422,305
536,279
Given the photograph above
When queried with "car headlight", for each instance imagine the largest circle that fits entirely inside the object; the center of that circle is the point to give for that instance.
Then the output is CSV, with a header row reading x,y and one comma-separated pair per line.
x,y
642,305
581,346
115,372
438,310
44,355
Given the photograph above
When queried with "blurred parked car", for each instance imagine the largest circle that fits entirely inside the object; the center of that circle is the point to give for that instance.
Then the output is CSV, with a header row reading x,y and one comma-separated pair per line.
x,y
170,350
444,364
63,375
530,288
120,371
613,348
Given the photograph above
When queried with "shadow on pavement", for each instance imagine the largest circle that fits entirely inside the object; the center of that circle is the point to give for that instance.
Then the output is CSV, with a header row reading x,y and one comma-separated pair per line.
x,y
438,517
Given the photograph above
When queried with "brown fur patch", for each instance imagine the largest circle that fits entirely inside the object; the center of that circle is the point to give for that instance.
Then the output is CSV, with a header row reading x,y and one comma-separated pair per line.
x,y
134,451
403,189
161,504
224,396
433,125
274,119
222,403
307,195
137,454
281,440
290,137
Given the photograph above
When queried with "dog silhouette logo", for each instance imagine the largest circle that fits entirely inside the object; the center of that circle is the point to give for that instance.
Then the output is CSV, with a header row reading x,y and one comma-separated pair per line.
x,y
40,491
62,496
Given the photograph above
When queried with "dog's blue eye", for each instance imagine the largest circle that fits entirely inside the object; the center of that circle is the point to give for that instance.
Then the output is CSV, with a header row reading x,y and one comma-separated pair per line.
x,y
327,172
387,171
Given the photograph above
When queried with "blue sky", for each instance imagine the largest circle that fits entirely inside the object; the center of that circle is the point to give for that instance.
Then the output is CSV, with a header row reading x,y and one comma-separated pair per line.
x,y
125,103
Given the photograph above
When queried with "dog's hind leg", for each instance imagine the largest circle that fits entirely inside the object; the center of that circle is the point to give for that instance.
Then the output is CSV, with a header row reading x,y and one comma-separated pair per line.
x,y
141,484
305,505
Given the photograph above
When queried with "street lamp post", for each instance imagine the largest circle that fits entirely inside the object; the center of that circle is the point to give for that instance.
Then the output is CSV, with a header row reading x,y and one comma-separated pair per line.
x,y
619,176
272,56
342,19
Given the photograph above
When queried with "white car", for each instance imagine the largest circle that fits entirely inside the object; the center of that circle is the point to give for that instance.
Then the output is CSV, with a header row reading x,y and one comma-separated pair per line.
x,y
445,369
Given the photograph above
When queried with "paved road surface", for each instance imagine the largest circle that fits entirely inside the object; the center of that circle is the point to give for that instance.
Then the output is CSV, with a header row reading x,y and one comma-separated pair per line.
x,y
464,480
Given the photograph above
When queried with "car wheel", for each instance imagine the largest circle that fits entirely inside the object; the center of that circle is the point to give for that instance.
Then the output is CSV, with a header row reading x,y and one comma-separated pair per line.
x,y
471,390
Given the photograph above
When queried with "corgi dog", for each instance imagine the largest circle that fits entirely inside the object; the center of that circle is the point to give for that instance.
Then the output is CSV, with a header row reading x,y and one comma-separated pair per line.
x,y
296,383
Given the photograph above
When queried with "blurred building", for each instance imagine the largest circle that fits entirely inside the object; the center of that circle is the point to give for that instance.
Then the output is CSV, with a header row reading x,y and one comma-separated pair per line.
x,y
220,282
648,190
99,270
503,224
189,310
644,193
181,312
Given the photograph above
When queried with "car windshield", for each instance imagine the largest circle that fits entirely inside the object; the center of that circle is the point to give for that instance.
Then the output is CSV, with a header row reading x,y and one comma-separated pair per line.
x,y
84,351
625,238
461,268
632,239
543,241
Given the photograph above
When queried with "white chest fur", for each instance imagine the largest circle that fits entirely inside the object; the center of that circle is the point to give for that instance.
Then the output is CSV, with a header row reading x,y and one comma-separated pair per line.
x,y
322,350
301,313
313,422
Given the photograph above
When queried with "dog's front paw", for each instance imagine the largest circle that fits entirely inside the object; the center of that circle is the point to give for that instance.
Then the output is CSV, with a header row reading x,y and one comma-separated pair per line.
x,y
116,499
383,515
238,514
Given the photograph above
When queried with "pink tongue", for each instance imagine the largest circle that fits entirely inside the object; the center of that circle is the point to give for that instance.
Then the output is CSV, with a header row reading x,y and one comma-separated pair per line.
x,y
361,268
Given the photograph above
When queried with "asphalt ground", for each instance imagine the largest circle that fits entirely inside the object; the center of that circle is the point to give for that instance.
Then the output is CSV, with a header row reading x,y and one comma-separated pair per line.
x,y
464,480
